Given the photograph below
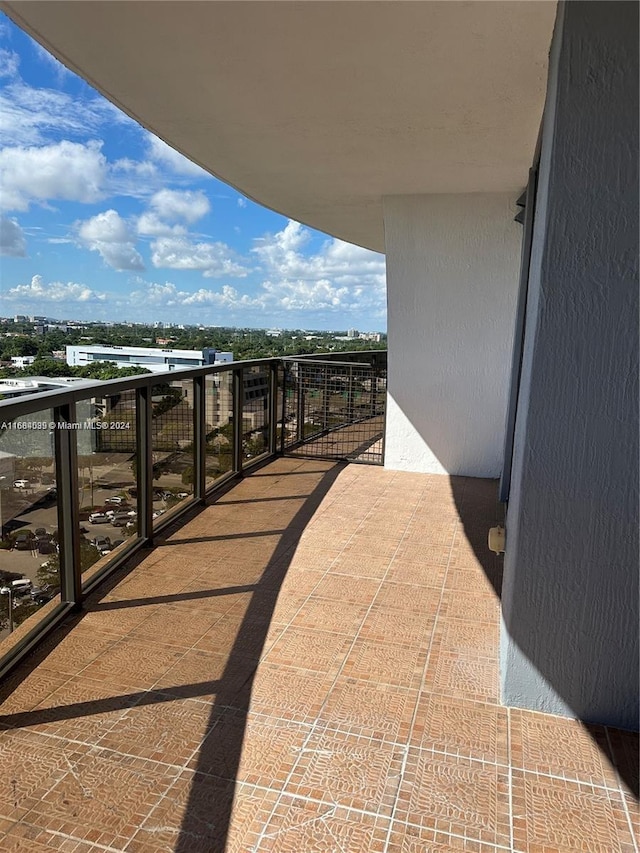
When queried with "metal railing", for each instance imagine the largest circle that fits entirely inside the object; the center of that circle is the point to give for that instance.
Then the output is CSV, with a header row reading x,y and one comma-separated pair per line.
x,y
89,474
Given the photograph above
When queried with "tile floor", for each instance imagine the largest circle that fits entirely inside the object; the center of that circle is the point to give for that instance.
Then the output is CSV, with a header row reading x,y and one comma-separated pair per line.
x,y
308,665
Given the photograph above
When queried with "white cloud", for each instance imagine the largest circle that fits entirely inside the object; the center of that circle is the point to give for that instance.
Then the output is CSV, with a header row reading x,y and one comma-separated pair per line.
x,y
35,116
9,63
340,262
55,291
340,277
185,205
68,171
12,239
241,202
162,153
151,225
179,253
108,234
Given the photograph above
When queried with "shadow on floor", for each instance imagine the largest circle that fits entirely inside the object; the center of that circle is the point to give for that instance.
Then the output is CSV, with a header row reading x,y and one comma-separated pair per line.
x,y
206,822
478,509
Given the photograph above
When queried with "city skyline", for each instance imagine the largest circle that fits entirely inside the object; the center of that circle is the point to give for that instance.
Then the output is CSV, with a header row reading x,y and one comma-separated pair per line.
x,y
103,221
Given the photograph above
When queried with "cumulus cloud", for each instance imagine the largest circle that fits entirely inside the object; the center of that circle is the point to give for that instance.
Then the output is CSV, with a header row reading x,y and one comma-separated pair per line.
x,y
150,225
339,277
168,295
12,239
180,253
55,291
162,153
340,262
68,171
108,234
186,205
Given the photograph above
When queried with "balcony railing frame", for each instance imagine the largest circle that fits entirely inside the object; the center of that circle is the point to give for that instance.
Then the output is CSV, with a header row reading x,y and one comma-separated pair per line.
x,y
64,405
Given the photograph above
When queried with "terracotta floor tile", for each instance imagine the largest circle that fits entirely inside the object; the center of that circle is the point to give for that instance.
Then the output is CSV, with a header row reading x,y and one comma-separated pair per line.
x,y
374,710
132,664
204,675
397,626
160,728
291,694
469,606
31,763
80,710
22,692
233,633
556,816
251,748
240,690
349,771
465,637
386,663
101,797
624,746
463,798
299,825
461,727
347,588
372,567
546,744
464,676
405,571
317,651
326,614
319,559
405,838
200,813
409,598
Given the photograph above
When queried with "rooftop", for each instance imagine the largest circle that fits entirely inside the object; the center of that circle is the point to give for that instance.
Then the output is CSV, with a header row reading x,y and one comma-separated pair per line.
x,y
309,663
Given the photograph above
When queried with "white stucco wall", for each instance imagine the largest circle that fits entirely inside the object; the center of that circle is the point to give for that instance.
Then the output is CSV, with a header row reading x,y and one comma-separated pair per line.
x,y
452,282
569,642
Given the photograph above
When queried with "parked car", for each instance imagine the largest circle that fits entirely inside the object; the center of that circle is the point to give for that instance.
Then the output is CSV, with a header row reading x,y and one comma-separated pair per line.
x,y
21,484
115,500
46,546
102,543
182,495
23,541
99,518
21,586
119,519
40,531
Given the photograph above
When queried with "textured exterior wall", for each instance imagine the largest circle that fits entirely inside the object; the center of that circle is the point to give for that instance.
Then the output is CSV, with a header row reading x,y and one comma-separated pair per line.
x,y
570,596
452,280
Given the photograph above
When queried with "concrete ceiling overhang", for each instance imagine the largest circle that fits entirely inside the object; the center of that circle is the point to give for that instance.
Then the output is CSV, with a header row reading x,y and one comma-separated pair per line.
x,y
319,109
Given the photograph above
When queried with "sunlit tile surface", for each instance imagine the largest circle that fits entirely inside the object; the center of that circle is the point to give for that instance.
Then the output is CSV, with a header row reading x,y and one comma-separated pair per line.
x,y
308,665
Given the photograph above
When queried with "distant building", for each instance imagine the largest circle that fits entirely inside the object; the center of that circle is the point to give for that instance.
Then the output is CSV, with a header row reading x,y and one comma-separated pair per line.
x,y
151,358
22,361
352,333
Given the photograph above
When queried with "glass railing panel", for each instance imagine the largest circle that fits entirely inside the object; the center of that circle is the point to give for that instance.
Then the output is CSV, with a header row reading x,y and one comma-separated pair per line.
x,y
218,425
107,487
172,444
255,411
29,562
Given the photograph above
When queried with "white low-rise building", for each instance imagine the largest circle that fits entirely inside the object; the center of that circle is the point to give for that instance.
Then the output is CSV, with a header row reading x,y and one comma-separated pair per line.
x,y
154,359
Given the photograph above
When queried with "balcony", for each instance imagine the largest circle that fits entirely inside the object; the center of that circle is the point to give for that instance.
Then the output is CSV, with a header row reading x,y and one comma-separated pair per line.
x,y
303,659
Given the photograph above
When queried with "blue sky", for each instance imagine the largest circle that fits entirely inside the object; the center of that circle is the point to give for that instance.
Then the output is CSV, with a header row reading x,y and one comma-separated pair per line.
x,y
100,220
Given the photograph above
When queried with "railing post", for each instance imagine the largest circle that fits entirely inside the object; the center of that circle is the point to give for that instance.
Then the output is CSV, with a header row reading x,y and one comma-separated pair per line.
x,y
144,460
238,394
66,466
283,423
199,438
273,408
300,403
326,398
350,400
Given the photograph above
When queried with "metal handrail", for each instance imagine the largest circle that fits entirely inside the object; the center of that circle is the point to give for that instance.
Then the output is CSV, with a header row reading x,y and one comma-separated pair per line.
x,y
63,405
